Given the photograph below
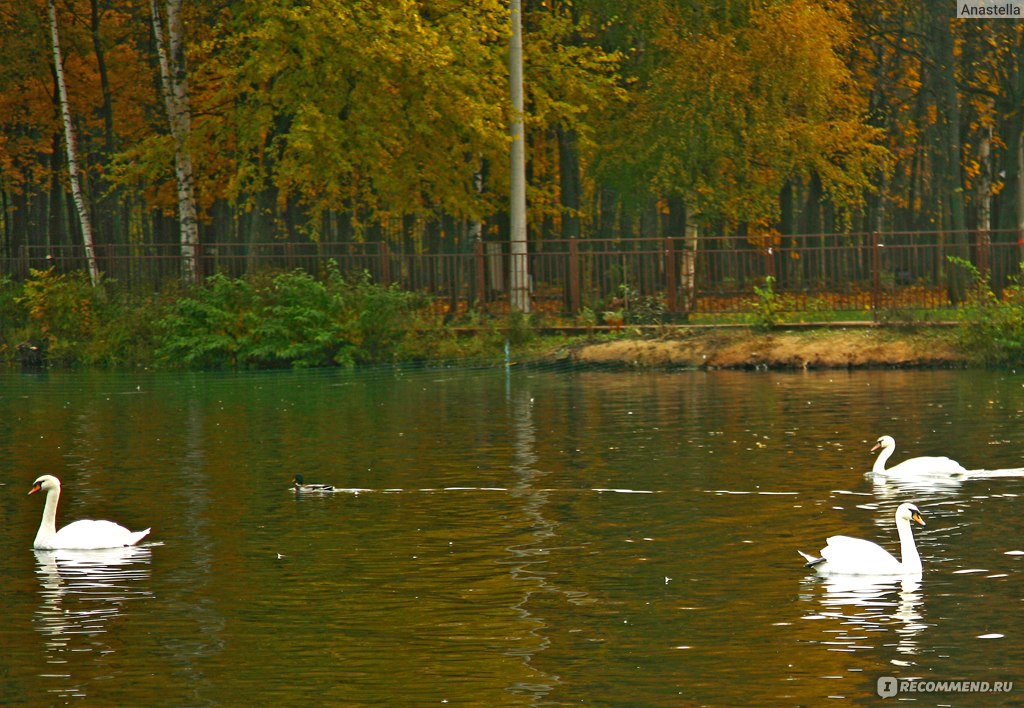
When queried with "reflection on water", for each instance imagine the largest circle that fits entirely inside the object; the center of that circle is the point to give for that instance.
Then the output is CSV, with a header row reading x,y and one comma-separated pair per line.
x,y
528,565
935,486
508,538
82,594
860,613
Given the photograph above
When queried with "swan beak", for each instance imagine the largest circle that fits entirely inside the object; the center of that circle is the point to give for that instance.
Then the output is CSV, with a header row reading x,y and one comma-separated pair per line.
x,y
877,445
917,517
35,488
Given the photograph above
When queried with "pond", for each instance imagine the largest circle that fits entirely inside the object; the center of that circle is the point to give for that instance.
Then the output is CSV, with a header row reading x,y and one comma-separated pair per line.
x,y
505,538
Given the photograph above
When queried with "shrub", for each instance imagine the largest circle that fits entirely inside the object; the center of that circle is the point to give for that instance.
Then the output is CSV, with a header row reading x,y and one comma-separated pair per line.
x,y
767,305
206,330
289,319
375,318
991,328
61,313
297,322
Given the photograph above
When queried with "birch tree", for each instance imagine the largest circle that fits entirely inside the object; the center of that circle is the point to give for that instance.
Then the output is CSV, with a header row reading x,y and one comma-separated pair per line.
x,y
69,144
174,86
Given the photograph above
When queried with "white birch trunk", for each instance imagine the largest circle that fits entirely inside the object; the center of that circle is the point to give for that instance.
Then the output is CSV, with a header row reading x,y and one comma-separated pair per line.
x,y
476,225
688,259
72,153
174,85
985,195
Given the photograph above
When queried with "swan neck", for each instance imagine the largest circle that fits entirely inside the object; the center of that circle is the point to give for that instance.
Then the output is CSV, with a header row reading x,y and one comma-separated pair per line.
x,y
882,458
911,559
48,525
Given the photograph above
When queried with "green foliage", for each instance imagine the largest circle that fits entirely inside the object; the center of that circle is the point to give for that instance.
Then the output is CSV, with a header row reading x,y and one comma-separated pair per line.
x,y
125,335
646,310
733,111
767,305
586,317
520,328
992,329
295,321
11,309
61,313
289,319
377,317
205,330
12,314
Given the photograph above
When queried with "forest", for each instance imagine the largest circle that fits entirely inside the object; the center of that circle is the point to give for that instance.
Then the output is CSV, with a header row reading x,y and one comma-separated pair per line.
x,y
125,122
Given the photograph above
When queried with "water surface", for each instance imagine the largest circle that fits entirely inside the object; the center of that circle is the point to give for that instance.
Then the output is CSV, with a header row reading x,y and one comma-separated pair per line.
x,y
531,538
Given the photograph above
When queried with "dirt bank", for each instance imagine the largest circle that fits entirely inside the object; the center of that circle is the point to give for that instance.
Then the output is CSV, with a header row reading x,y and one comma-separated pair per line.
x,y
831,348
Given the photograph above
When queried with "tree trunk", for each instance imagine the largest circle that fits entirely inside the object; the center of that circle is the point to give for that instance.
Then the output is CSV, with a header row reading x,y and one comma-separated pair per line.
x,y
952,181
569,181
72,152
110,207
985,201
174,84
688,258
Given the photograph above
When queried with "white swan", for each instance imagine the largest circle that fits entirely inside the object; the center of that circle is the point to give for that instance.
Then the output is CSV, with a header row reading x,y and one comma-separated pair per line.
x,y
854,556
84,534
915,465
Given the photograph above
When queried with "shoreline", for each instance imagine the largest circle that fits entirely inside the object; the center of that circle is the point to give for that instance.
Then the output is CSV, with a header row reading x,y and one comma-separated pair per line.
x,y
785,349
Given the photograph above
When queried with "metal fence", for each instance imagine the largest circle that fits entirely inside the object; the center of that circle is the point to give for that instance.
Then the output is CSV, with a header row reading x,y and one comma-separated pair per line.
x,y
864,271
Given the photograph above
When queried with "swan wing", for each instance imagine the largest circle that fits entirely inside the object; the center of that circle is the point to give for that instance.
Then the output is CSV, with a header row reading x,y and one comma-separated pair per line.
x,y
87,533
927,465
845,554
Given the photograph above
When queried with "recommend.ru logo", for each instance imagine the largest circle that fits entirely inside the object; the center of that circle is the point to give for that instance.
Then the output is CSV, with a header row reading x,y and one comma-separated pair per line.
x,y
890,686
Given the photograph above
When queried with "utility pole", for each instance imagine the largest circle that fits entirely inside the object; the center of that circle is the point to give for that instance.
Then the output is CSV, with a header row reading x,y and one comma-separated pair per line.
x,y
518,264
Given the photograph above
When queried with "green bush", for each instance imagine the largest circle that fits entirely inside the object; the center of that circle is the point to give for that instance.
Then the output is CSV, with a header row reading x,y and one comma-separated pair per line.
x,y
992,329
61,314
375,318
207,329
288,319
767,305
297,322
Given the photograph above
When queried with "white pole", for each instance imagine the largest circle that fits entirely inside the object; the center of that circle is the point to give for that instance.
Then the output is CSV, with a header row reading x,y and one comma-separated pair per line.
x,y
519,266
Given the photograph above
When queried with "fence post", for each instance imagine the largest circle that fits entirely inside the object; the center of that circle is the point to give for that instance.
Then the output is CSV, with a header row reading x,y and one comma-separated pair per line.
x,y
574,276
671,287
876,275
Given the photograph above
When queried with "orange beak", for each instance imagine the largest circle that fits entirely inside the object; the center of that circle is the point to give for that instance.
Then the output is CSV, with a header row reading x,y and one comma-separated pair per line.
x,y
35,488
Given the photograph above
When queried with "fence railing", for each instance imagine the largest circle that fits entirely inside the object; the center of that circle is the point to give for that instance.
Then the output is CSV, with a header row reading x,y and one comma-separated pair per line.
x,y
862,271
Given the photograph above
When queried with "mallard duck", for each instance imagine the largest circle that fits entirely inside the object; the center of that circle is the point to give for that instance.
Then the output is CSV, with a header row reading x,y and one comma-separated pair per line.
x,y
79,535
299,485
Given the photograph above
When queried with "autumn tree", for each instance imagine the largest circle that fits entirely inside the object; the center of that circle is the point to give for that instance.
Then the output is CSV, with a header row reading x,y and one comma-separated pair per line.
x,y
731,115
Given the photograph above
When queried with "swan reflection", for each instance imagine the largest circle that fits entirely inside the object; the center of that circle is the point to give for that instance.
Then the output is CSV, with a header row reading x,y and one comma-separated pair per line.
x,y
82,590
935,486
867,606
